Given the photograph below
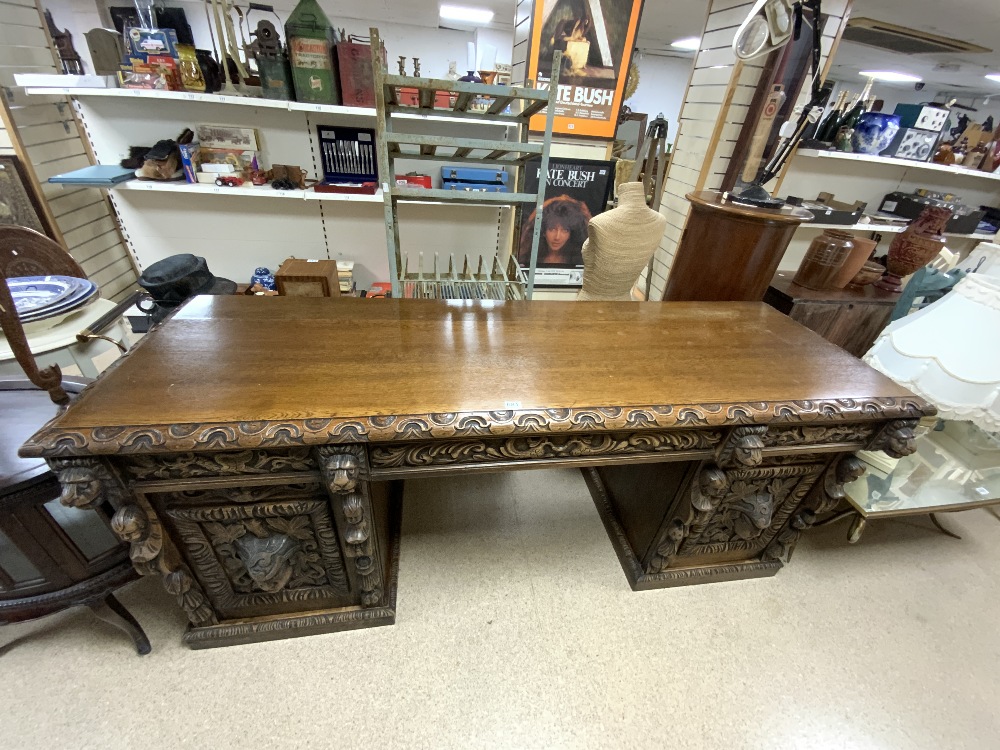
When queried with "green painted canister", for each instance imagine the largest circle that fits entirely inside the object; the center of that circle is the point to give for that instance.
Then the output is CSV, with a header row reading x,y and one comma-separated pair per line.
x,y
310,52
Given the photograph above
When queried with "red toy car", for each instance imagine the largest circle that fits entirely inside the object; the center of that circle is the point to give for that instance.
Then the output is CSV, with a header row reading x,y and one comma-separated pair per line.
x,y
226,181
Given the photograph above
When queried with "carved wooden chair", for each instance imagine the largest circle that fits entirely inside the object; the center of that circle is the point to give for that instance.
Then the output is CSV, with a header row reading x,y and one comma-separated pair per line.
x,y
24,252
51,557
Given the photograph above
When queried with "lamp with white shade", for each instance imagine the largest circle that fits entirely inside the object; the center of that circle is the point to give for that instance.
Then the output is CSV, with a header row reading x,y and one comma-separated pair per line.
x,y
949,352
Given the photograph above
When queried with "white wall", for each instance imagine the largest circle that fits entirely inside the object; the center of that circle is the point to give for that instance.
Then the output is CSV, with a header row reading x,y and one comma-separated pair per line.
x,y
434,46
662,82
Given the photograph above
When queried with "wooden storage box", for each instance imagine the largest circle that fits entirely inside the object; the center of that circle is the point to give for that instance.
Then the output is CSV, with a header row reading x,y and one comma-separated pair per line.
x,y
308,278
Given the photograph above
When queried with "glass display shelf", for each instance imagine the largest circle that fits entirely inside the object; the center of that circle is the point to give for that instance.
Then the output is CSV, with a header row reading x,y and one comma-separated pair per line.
x,y
956,468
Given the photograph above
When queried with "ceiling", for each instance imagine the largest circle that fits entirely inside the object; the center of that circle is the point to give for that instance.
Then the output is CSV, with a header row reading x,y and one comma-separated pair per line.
x,y
663,21
975,21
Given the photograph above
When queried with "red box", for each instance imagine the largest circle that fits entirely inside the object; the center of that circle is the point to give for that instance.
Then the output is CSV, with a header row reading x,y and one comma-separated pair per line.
x,y
414,180
363,188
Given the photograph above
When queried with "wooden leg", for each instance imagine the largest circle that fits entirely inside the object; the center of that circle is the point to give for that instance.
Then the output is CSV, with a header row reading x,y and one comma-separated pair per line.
x,y
114,613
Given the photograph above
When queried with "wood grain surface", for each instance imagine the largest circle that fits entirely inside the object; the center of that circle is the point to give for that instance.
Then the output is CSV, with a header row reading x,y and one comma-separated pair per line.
x,y
224,359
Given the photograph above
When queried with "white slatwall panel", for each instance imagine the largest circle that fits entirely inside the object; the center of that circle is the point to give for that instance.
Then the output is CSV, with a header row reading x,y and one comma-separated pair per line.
x,y
53,144
700,115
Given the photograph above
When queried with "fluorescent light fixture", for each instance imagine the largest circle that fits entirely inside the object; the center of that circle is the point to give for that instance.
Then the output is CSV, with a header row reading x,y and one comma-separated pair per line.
x,y
891,76
691,43
995,77
469,15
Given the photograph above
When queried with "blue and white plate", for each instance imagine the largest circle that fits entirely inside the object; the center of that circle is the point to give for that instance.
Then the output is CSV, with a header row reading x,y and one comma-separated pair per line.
x,y
32,293
84,292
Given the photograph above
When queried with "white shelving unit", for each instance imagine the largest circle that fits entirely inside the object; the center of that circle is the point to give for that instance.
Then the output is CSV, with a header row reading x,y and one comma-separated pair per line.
x,y
885,161
255,191
234,228
851,177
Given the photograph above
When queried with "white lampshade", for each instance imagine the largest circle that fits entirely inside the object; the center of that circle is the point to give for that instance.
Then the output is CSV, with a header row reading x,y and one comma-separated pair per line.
x,y
985,259
949,352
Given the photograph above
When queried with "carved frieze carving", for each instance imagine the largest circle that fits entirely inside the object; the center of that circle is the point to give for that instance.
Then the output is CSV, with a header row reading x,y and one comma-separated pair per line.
x,y
189,465
244,494
345,470
235,436
542,447
151,554
87,482
742,447
818,434
252,555
897,438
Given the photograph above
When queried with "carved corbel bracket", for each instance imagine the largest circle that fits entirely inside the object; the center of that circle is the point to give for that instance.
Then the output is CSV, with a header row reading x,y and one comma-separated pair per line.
x,y
742,447
137,524
87,482
345,471
782,546
830,492
897,438
707,492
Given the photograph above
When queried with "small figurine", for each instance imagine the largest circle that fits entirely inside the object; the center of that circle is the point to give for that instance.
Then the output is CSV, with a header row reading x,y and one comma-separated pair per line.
x,y
416,67
264,277
452,74
402,65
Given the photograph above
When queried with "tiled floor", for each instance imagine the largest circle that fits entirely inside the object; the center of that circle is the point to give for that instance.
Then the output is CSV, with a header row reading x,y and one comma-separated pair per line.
x,y
516,629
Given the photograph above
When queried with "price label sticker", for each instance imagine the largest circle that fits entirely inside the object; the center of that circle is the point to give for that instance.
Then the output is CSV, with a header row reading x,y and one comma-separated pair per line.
x,y
511,404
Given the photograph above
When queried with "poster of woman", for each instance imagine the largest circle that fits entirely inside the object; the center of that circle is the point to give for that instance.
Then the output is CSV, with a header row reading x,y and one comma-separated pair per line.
x,y
596,38
576,191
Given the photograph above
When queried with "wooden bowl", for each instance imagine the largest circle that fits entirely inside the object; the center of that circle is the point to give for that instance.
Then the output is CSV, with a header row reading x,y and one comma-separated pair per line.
x,y
870,273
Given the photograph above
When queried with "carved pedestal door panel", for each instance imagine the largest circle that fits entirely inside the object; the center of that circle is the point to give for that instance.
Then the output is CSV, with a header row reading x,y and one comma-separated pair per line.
x,y
260,550
753,507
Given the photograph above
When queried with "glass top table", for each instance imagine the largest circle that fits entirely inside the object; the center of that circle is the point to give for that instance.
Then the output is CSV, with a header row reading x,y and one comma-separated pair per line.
x,y
957,468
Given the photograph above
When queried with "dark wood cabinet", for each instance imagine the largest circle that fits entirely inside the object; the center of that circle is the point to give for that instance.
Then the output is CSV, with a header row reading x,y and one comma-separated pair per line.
x,y
850,318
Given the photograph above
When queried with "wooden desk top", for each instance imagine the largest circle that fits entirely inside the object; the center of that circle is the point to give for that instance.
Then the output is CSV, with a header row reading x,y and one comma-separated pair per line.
x,y
244,372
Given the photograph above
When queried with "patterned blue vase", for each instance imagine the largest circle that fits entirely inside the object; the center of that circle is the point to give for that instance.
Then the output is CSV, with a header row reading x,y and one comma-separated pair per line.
x,y
264,277
874,132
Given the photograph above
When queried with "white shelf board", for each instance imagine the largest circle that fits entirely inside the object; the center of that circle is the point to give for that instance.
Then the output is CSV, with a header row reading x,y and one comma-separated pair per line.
x,y
888,229
899,163
244,101
256,191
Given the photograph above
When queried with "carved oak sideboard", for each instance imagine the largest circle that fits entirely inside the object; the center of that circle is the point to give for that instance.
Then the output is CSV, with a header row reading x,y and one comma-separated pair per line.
x,y
254,449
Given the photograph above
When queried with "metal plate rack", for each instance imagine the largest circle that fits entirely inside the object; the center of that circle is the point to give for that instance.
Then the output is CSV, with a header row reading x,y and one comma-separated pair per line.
x,y
496,282
508,105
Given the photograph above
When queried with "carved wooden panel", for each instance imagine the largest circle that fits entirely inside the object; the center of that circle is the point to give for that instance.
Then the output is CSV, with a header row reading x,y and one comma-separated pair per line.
x,y
264,557
232,463
539,448
731,514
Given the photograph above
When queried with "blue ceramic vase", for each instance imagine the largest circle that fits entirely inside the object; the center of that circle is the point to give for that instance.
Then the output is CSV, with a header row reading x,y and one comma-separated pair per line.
x,y
874,132
264,277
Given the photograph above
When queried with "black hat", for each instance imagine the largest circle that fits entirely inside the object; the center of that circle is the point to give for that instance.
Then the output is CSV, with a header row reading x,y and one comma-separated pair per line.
x,y
173,280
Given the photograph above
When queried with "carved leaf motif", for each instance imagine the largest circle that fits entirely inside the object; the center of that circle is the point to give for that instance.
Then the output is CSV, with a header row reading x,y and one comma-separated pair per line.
x,y
297,527
225,533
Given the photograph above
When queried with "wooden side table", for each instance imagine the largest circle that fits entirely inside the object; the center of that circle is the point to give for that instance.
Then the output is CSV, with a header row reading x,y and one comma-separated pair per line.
x,y
850,318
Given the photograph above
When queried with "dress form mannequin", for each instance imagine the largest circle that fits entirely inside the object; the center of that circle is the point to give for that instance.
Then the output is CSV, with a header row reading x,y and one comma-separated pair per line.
x,y
619,245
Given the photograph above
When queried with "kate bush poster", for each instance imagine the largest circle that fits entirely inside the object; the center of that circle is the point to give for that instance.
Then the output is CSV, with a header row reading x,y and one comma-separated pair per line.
x,y
596,38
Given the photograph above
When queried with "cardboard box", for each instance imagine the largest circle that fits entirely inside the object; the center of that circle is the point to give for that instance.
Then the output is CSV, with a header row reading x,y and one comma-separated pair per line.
x,y
308,278
190,160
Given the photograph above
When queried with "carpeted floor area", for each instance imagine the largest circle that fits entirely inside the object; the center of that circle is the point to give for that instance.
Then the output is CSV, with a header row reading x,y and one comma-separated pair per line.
x,y
516,629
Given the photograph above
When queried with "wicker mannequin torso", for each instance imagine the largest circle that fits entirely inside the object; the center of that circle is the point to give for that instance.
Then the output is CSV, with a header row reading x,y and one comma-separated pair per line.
x,y
619,245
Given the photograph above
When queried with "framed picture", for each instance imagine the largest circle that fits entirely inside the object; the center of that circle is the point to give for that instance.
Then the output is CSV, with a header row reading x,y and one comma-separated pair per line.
x,y
597,38
19,205
576,191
